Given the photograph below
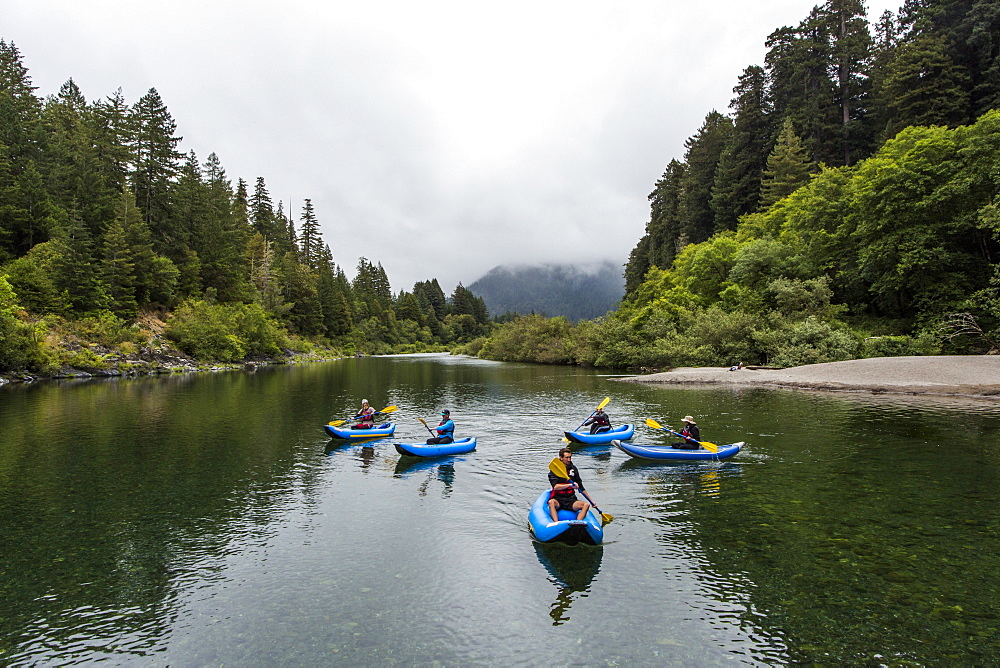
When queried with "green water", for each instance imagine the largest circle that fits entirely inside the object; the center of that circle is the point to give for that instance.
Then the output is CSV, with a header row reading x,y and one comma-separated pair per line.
x,y
207,520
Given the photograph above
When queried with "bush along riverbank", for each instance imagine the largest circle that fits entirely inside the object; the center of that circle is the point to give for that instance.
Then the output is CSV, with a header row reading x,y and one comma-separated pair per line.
x,y
195,339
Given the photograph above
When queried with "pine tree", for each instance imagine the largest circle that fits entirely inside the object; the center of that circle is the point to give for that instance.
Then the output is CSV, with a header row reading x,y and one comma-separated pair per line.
x,y
851,58
736,189
310,241
156,158
430,295
73,267
704,150
923,86
220,241
262,217
20,111
788,167
118,270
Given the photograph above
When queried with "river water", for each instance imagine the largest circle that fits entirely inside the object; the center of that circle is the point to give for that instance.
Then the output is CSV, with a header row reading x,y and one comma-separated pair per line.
x,y
206,519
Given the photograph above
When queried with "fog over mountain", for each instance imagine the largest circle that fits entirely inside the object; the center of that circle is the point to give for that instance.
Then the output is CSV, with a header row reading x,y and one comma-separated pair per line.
x,y
577,291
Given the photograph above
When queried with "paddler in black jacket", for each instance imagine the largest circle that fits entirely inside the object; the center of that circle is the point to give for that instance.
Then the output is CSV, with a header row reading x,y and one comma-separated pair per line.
x,y
563,496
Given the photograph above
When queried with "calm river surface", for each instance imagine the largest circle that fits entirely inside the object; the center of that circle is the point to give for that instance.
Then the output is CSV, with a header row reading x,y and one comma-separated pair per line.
x,y
206,519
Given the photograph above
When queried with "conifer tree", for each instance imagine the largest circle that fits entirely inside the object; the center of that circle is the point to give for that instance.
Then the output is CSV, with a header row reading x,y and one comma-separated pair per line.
x,y
637,266
73,266
118,270
263,275
704,150
923,86
788,167
310,242
851,58
20,110
262,212
736,189
220,240
113,134
156,158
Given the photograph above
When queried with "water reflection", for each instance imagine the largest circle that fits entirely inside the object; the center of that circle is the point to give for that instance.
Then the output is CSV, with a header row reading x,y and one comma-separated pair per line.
x,y
571,570
437,468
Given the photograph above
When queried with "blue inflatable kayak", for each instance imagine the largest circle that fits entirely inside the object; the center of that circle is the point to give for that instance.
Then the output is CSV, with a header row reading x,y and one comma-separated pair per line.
x,y
622,433
667,453
568,529
349,434
458,447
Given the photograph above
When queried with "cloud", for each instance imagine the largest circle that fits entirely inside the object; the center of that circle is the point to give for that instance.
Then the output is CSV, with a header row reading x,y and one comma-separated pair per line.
x,y
438,138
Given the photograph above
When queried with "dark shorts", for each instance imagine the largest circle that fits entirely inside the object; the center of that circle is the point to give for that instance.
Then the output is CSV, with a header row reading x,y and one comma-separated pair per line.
x,y
439,440
566,503
686,445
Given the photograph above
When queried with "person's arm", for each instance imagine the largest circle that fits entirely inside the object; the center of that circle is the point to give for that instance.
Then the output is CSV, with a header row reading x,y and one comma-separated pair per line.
x,y
558,483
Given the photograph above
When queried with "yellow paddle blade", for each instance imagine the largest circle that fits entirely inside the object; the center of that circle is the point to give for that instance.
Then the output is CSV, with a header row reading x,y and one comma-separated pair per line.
x,y
423,420
389,409
336,423
607,400
711,447
557,467
606,518
650,422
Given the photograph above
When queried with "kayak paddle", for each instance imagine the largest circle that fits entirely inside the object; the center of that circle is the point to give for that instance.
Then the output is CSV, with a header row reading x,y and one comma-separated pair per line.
x,y
607,400
711,447
426,426
387,409
557,467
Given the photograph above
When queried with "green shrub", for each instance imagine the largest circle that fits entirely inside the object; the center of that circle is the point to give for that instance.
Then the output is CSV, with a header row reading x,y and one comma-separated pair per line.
x,y
19,342
810,341
225,333
105,328
896,346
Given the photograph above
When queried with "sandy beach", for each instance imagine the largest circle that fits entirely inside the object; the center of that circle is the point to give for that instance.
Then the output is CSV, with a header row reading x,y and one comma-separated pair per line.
x,y
961,375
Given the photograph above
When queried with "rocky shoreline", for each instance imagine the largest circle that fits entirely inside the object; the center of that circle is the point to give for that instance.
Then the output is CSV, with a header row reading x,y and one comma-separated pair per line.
x,y
149,361
945,375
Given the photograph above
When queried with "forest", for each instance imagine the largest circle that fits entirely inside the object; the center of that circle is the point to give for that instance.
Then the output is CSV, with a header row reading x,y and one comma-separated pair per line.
x,y
847,207
113,243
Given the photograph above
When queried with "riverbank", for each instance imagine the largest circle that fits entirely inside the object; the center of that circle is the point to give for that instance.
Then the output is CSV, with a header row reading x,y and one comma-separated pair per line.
x,y
961,375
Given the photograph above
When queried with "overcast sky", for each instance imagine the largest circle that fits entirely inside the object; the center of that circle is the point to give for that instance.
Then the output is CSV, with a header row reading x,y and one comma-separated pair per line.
x,y
438,138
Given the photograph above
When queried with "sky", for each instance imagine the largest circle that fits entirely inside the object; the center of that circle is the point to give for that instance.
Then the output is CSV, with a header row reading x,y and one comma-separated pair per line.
x,y
437,138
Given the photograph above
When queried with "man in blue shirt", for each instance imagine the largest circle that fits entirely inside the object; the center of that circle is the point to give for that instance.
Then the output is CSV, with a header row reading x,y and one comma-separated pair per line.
x,y
445,430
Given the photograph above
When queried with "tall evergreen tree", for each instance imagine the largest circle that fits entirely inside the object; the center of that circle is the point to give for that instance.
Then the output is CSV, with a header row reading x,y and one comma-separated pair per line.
x,y
851,58
310,241
156,162
923,86
736,189
220,240
20,110
262,217
704,150
787,169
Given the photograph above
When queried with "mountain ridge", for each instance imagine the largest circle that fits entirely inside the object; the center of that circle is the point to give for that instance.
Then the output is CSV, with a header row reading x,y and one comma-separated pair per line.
x,y
576,291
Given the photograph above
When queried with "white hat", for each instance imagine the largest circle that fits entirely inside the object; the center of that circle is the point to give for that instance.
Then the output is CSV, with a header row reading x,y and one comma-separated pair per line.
x,y
688,418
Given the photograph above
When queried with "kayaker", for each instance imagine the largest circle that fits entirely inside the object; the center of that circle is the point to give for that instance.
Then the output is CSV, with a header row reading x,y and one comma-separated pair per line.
x,y
365,416
599,422
563,496
445,430
691,434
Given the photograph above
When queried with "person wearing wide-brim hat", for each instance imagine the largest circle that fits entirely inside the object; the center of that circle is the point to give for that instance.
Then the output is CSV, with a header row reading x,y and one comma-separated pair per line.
x,y
691,434
445,430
